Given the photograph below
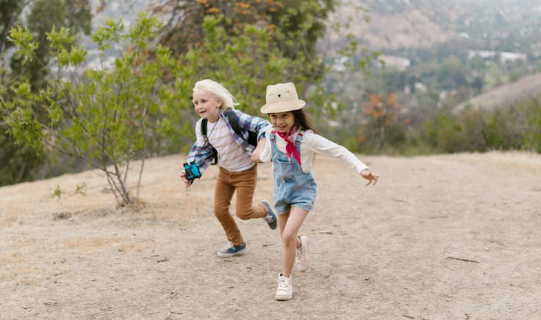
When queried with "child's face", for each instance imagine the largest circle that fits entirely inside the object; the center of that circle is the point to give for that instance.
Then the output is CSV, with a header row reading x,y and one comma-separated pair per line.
x,y
206,105
282,121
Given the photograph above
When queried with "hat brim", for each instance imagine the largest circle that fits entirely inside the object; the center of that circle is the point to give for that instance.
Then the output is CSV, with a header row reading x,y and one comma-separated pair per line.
x,y
282,106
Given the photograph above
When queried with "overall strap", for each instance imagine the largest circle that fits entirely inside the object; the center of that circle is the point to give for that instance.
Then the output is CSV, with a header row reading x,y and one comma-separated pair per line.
x,y
272,136
299,136
274,148
298,141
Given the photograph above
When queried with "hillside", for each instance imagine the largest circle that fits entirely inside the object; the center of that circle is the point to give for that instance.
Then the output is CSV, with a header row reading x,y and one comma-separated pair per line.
x,y
490,24
410,28
439,237
525,88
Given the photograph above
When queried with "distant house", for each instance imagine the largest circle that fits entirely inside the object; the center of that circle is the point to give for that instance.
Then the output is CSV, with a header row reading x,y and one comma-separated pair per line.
x,y
339,64
510,56
399,63
504,56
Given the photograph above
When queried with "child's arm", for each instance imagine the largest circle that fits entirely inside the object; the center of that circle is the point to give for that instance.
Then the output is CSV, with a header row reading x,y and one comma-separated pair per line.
x,y
266,154
254,124
260,147
323,146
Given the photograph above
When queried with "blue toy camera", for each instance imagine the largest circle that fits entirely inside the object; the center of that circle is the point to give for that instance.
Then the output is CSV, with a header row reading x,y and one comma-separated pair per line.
x,y
192,171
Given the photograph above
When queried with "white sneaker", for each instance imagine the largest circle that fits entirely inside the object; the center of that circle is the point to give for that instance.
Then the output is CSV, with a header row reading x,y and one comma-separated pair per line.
x,y
302,254
285,288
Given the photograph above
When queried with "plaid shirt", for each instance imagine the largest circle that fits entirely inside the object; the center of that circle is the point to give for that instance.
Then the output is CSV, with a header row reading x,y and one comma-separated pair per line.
x,y
201,152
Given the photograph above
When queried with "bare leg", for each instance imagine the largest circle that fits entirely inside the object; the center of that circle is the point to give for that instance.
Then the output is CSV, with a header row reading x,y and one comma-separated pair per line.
x,y
282,220
290,223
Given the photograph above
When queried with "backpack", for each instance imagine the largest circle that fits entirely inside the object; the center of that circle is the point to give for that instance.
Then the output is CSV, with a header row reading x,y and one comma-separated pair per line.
x,y
234,121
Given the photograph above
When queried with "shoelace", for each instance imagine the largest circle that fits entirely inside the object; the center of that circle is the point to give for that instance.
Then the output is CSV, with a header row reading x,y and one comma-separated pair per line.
x,y
282,284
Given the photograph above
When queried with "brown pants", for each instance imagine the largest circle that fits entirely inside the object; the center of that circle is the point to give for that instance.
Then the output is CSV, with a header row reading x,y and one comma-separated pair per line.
x,y
226,184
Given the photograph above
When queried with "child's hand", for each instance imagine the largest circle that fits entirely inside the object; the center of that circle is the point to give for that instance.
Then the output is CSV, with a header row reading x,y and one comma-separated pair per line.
x,y
372,177
186,181
257,152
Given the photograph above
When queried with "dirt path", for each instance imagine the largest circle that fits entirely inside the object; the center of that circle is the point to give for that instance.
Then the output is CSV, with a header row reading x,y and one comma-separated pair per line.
x,y
441,237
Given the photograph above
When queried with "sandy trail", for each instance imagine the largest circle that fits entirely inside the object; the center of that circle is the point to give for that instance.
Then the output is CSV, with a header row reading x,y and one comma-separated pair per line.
x,y
439,237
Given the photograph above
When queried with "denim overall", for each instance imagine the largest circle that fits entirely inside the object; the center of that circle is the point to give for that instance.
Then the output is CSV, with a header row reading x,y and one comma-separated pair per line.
x,y
292,187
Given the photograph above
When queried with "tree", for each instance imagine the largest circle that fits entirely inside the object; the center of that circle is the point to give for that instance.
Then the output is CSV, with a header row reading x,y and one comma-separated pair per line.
x,y
20,163
184,28
385,122
43,16
293,28
10,11
101,115
245,64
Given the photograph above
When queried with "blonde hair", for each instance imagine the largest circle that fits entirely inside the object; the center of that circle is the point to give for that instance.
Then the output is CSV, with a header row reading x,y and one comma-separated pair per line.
x,y
217,90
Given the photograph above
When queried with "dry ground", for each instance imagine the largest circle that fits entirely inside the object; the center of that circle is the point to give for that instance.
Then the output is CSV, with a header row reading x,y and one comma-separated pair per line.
x,y
439,237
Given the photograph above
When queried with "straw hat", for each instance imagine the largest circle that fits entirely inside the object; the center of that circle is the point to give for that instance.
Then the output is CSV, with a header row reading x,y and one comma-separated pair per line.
x,y
282,97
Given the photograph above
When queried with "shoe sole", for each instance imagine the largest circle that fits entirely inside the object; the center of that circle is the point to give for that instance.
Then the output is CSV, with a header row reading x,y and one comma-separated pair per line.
x,y
229,255
270,209
283,298
273,224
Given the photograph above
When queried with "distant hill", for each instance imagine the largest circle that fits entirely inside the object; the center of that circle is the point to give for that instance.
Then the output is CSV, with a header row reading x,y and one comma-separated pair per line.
x,y
400,26
501,25
507,94
496,24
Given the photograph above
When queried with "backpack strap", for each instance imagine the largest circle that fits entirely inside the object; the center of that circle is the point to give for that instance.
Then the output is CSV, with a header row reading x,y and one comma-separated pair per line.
x,y
272,136
204,124
234,122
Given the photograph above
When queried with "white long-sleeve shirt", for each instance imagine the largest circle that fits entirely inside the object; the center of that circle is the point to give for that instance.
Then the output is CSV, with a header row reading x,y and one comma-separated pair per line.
x,y
311,144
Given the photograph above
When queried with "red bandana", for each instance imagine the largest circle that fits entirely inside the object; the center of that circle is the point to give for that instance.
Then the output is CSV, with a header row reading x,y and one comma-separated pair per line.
x,y
290,139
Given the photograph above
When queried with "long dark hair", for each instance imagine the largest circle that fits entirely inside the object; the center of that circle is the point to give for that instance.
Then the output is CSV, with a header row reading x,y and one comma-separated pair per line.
x,y
303,120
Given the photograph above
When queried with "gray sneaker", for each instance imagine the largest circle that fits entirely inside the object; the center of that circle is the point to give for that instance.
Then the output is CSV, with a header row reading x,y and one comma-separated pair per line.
x,y
270,218
302,254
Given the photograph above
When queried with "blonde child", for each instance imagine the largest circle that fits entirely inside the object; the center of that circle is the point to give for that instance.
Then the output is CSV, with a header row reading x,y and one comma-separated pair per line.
x,y
293,143
237,159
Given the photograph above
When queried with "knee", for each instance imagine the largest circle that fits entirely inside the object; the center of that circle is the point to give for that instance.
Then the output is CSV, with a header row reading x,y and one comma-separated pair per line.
x,y
220,211
288,239
244,211
244,215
